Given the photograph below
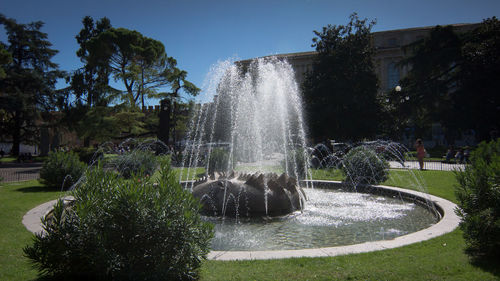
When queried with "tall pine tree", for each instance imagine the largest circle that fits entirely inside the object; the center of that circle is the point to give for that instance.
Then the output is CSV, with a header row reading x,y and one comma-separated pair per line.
x,y
28,87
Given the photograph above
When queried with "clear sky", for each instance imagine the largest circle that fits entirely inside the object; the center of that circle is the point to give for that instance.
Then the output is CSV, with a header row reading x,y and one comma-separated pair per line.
x,y
198,33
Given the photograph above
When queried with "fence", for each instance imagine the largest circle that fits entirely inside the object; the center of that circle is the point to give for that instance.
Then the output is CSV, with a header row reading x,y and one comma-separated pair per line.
x,y
11,174
428,165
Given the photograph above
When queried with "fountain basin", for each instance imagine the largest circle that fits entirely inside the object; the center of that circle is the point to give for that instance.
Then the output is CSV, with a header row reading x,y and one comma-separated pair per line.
x,y
448,222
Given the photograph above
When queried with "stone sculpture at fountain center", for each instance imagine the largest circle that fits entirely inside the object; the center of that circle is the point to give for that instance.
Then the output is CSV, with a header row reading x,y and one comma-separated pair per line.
x,y
249,195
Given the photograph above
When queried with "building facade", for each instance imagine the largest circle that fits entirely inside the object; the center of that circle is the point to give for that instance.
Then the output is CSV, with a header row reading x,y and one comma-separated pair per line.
x,y
389,52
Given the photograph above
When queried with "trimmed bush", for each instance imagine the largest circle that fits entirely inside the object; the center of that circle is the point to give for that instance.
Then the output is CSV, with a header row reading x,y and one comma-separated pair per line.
x,y
61,169
478,194
88,154
140,162
362,165
119,229
218,161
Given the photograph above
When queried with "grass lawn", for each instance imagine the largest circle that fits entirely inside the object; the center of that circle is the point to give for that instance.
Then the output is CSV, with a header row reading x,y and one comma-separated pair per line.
x,y
10,159
15,200
440,258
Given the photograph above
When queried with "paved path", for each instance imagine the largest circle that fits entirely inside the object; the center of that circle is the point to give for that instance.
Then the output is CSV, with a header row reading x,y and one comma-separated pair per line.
x,y
439,166
20,171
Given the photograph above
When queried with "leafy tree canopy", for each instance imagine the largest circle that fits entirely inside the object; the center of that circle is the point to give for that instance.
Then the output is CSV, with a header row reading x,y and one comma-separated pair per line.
x,y
28,87
453,80
340,91
140,62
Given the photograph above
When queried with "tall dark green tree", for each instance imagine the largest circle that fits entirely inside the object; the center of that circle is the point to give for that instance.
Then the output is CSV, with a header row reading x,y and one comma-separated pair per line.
x,y
88,115
478,99
453,80
91,82
431,83
5,59
340,91
28,87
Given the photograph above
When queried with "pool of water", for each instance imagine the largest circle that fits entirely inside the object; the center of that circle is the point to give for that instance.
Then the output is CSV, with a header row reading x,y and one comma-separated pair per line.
x,y
330,218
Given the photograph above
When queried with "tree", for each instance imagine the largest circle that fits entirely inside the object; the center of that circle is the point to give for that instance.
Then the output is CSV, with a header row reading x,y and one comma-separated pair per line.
x,y
430,85
453,80
28,87
91,81
140,62
143,66
5,59
89,86
340,91
478,100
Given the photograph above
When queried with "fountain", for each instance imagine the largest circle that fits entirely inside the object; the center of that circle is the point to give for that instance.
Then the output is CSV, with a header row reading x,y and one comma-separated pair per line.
x,y
256,120
254,128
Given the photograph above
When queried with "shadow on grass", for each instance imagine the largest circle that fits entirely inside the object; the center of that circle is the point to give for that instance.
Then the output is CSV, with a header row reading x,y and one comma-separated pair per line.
x,y
38,188
488,264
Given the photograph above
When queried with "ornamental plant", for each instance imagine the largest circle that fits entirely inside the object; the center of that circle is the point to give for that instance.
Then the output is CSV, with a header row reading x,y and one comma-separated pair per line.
x,y
123,229
218,161
478,194
362,165
61,169
140,162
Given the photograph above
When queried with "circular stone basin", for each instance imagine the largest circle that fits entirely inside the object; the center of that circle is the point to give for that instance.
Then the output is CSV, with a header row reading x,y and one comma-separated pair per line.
x,y
330,218
448,222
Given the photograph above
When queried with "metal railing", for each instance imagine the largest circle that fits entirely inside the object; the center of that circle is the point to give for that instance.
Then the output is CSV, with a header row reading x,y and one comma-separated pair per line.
x,y
428,165
19,174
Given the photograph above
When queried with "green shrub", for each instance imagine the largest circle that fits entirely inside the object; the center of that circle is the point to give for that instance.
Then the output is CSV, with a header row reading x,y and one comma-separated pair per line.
x,y
61,169
119,229
478,194
88,154
140,162
362,165
218,161
295,163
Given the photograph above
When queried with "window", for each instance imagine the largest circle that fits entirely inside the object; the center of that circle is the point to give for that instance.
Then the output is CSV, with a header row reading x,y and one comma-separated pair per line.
x,y
392,75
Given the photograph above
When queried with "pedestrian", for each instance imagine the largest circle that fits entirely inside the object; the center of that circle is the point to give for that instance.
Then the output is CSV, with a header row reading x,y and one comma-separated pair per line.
x,y
420,153
459,157
466,154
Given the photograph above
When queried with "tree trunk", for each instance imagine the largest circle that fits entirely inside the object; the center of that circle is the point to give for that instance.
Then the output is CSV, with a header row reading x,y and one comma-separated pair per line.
x,y
86,141
16,135
164,125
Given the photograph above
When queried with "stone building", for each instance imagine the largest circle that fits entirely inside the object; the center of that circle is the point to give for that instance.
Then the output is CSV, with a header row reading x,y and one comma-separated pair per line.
x,y
389,51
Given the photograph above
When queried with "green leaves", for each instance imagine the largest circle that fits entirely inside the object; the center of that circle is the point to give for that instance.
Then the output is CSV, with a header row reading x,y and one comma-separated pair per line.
x,y
452,79
28,85
120,229
61,169
340,91
478,194
362,165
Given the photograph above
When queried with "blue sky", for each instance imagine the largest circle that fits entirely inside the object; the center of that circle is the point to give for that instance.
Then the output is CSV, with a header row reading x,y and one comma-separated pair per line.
x,y
199,33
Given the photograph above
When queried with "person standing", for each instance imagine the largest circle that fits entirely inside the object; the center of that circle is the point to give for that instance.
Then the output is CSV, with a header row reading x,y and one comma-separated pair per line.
x,y
419,145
